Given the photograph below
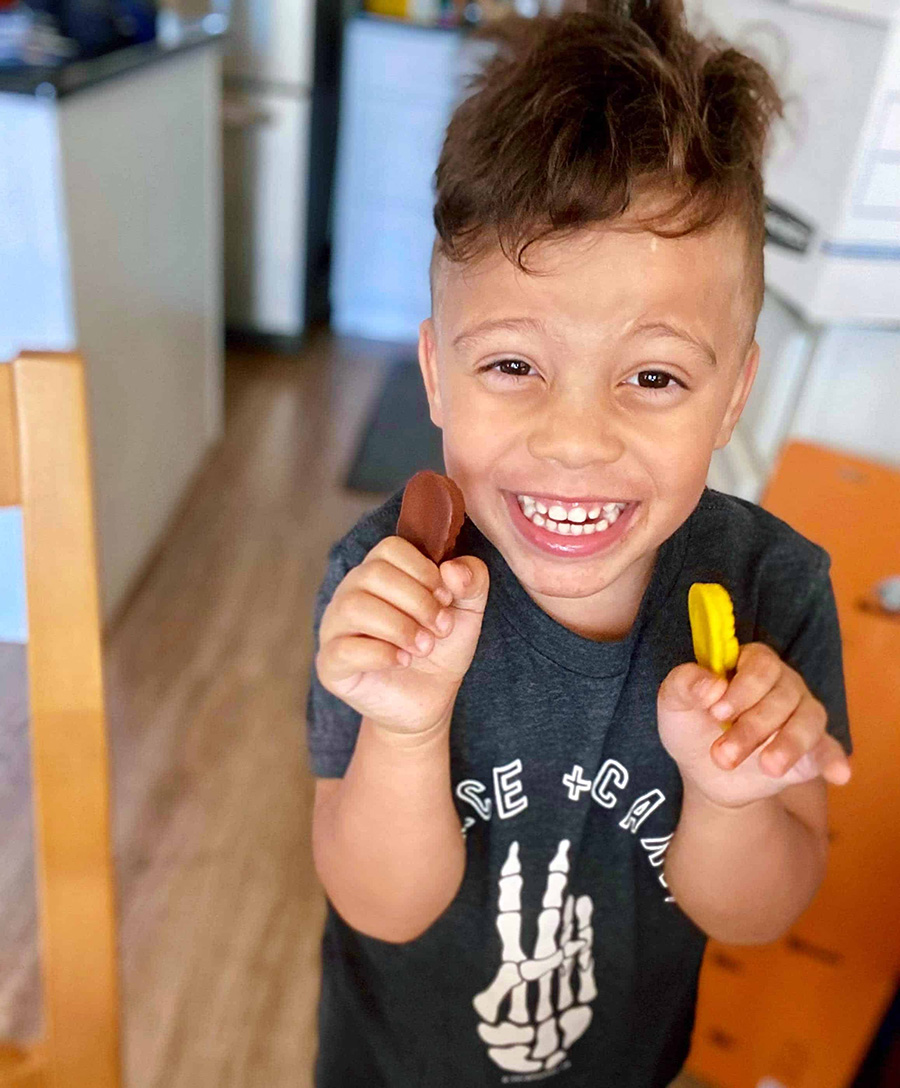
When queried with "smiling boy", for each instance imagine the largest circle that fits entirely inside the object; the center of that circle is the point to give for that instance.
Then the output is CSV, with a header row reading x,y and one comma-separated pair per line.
x,y
596,284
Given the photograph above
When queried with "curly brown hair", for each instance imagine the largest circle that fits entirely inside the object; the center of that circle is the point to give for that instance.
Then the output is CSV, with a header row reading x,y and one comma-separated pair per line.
x,y
572,117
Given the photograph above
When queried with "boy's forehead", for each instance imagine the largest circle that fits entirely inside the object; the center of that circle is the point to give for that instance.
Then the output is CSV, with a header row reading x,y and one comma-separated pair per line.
x,y
610,273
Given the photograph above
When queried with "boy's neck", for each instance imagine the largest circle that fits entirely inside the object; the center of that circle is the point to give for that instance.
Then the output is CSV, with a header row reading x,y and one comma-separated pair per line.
x,y
609,614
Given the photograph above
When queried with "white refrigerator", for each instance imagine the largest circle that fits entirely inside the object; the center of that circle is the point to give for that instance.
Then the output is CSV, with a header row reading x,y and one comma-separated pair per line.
x,y
268,73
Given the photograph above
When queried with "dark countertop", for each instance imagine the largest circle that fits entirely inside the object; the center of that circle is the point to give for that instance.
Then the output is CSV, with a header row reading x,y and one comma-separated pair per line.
x,y
73,76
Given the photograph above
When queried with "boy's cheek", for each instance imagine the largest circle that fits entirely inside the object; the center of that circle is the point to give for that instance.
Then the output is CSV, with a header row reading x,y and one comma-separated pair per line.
x,y
465,463
476,443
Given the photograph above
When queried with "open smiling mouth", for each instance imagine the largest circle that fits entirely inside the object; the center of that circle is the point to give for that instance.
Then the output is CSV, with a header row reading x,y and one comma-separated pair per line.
x,y
570,527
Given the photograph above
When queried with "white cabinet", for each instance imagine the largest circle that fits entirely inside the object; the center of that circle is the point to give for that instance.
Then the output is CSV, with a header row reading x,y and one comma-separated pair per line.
x,y
140,162
110,243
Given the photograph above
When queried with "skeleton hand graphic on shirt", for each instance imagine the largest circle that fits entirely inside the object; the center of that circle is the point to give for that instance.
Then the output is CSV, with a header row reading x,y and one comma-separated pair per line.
x,y
520,1042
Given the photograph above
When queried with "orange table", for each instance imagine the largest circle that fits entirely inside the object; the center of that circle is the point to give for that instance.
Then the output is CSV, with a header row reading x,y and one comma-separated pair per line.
x,y
803,1011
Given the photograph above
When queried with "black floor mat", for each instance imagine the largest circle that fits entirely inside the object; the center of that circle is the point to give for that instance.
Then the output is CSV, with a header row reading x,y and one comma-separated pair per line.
x,y
399,438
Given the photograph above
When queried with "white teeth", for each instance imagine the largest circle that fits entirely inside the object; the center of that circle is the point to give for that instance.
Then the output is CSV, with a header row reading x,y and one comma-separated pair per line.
x,y
573,521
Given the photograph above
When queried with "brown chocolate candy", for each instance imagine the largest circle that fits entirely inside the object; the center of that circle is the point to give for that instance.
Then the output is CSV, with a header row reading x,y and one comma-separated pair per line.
x,y
432,514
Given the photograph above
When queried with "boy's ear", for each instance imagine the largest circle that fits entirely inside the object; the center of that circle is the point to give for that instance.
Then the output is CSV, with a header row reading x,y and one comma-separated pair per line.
x,y
739,395
428,366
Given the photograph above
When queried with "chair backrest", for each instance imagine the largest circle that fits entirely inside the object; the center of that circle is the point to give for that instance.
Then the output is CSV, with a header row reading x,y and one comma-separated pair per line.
x,y
45,468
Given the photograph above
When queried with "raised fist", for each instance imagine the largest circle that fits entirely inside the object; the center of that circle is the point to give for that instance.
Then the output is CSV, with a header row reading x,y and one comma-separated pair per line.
x,y
399,633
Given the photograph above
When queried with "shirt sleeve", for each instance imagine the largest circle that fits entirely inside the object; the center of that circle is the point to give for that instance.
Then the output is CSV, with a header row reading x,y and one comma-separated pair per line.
x,y
814,650
331,726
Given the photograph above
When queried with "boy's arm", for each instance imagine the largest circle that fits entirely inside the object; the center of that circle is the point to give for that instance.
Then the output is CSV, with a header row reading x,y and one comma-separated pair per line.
x,y
744,875
395,642
386,838
750,848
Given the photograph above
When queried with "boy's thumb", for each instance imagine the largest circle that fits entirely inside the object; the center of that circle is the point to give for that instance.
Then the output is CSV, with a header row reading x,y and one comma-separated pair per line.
x,y
468,580
690,687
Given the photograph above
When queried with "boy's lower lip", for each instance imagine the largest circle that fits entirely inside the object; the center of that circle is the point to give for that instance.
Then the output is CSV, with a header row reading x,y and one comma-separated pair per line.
x,y
571,546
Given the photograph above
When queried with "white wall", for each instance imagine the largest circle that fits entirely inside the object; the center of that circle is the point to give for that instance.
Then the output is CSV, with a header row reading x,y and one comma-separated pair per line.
x,y
836,385
35,304
399,83
851,398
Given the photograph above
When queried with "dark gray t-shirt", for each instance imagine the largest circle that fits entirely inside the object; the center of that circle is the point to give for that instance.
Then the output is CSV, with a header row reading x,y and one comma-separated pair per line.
x,y
563,956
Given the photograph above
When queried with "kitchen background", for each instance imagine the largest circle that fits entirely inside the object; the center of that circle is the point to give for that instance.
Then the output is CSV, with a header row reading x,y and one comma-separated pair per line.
x,y
226,208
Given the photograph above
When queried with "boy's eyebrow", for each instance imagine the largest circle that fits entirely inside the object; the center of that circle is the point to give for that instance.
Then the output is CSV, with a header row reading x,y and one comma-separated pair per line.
x,y
665,328
502,324
532,324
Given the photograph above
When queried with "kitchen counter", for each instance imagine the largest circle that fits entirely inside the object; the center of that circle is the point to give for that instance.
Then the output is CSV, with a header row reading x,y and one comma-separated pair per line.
x,y
110,244
77,75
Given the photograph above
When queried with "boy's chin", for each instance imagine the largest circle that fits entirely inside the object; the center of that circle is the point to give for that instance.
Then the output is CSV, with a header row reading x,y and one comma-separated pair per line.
x,y
584,580
623,569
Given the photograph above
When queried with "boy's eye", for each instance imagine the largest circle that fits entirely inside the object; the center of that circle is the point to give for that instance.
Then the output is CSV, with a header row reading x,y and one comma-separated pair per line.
x,y
654,379
514,368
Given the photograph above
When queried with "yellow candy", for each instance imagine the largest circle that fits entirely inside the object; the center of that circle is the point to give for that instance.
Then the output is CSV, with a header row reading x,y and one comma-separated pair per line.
x,y
712,627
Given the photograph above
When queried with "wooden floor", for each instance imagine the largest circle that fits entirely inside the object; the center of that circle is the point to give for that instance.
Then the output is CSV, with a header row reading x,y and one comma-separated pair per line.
x,y
206,680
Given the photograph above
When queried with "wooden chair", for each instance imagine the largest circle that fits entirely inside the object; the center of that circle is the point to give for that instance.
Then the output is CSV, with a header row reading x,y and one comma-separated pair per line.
x,y
45,468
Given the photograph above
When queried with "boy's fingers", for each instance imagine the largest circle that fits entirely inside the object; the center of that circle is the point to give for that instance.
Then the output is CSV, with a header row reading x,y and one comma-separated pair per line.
x,y
690,687
468,580
759,722
362,614
407,557
380,578
353,655
800,735
758,671
833,761
826,759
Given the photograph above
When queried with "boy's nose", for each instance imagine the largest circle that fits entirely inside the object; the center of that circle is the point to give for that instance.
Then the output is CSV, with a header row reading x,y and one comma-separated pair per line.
x,y
575,437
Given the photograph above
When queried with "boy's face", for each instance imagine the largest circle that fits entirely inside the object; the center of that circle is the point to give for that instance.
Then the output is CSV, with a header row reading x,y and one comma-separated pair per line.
x,y
571,389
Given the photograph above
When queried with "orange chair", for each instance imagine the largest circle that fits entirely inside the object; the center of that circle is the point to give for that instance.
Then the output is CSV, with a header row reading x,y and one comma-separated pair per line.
x,y
803,1011
45,468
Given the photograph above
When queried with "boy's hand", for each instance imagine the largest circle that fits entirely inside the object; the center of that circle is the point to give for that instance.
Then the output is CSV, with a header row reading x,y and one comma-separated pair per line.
x,y
777,737
399,633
